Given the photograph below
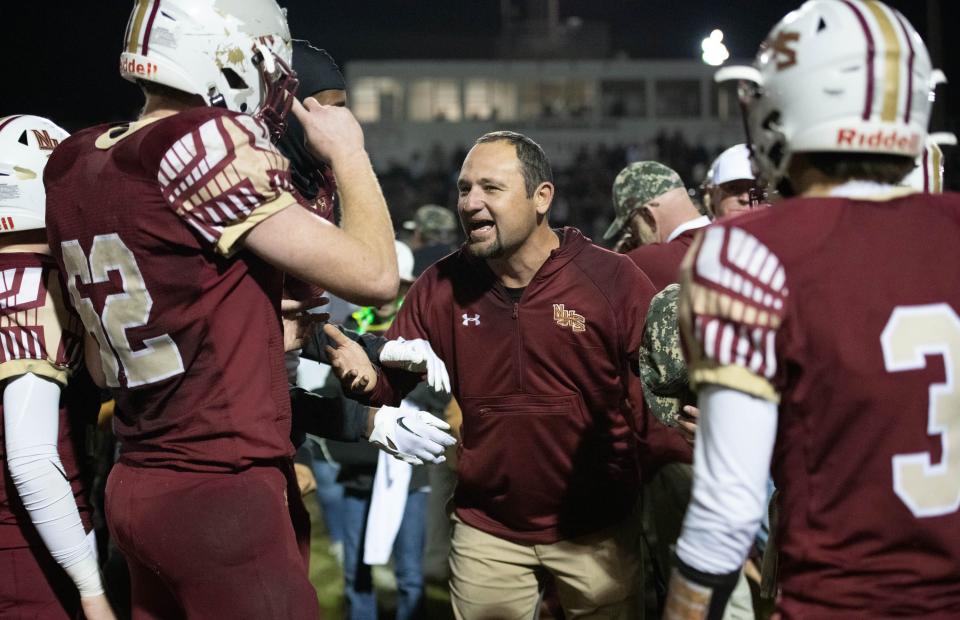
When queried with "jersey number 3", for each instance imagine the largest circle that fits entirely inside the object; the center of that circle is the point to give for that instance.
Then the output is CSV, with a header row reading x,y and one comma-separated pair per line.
x,y
158,358
912,333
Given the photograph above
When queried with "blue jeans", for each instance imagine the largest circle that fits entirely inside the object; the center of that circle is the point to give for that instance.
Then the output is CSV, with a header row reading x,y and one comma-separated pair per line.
x,y
407,558
330,496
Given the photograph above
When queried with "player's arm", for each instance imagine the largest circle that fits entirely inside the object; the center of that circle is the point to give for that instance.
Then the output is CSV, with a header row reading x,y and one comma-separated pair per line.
x,y
411,436
731,466
228,182
332,417
732,309
31,426
358,261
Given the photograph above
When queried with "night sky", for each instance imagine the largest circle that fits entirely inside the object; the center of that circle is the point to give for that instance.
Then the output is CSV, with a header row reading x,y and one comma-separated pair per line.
x,y
60,58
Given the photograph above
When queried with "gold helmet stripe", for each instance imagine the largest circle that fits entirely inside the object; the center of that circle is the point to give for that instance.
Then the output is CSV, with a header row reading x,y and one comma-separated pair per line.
x,y
936,170
892,59
134,35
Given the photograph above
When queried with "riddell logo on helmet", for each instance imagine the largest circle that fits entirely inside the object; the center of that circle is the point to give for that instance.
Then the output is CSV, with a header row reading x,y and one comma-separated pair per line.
x,y
892,140
147,69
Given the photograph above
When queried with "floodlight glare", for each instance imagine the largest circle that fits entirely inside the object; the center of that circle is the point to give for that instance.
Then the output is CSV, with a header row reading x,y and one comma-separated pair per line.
x,y
714,51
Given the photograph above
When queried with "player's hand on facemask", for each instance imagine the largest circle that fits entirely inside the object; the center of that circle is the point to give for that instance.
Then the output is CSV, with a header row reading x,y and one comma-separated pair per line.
x,y
332,132
416,356
412,436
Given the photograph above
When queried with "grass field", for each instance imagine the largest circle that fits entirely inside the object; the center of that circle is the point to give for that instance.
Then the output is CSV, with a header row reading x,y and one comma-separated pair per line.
x,y
327,577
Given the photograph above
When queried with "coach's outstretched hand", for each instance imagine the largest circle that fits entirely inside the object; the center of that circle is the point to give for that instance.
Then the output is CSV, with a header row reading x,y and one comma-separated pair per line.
x,y
350,363
416,356
412,436
299,322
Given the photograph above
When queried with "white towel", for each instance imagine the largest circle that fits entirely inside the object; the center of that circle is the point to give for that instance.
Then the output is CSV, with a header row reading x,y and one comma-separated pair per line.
x,y
391,485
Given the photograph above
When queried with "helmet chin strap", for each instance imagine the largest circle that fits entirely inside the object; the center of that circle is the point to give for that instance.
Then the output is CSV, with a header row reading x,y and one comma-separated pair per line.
x,y
215,98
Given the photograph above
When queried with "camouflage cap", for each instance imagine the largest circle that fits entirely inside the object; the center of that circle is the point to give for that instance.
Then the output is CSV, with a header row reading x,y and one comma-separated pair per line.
x,y
432,219
636,185
663,371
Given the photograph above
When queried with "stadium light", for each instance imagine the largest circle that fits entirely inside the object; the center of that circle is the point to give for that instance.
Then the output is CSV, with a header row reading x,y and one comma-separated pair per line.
x,y
714,51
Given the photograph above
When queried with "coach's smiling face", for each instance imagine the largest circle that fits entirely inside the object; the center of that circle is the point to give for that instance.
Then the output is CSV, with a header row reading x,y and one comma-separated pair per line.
x,y
495,211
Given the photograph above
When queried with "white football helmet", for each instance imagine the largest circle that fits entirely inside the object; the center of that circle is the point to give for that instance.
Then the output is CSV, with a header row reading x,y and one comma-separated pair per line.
x,y
234,53
927,174
836,76
25,145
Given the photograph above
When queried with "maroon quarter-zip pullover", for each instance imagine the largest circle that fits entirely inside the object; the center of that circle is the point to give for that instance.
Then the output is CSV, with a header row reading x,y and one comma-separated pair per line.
x,y
554,434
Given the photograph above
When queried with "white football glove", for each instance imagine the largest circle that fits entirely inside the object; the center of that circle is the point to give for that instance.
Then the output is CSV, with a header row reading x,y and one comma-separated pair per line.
x,y
416,356
412,436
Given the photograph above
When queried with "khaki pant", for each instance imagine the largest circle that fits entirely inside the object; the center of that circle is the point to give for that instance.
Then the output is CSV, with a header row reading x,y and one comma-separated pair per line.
x,y
596,576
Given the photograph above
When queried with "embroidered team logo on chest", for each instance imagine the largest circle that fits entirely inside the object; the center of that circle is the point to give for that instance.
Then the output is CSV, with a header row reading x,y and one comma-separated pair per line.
x,y
569,318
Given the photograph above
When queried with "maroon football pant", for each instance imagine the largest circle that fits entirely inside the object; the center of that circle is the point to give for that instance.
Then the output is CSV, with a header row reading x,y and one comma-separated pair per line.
x,y
208,545
33,586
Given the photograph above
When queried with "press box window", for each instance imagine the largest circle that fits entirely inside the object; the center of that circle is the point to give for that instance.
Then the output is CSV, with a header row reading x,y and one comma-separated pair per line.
x,y
435,100
375,99
678,98
486,99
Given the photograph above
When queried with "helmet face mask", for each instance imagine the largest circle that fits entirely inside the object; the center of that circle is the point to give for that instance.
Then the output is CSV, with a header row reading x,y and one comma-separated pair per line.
x,y
766,139
225,51
844,76
25,145
281,87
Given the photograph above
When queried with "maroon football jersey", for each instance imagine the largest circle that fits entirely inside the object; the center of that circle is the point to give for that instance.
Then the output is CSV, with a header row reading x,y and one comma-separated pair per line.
x,y
38,334
146,220
846,313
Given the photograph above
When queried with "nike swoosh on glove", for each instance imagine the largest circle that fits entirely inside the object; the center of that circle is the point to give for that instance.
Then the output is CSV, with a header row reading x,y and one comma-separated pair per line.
x,y
416,356
412,436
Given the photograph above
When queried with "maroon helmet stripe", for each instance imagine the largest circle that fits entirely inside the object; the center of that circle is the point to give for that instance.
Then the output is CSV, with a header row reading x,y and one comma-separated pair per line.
x,y
871,52
146,35
926,175
10,120
906,35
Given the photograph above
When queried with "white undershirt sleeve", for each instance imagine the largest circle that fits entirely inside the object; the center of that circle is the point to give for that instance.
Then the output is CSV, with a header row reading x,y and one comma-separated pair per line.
x,y
31,411
731,466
